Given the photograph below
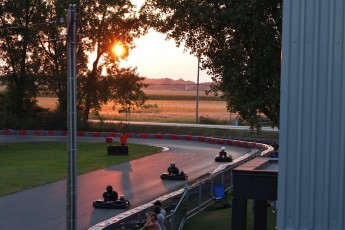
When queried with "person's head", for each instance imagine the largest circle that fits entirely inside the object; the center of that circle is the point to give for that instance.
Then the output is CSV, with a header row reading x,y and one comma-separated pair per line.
x,y
223,148
121,197
157,203
172,164
153,216
109,188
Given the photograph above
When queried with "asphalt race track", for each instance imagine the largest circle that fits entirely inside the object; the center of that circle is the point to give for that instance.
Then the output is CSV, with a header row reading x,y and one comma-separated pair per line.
x,y
44,207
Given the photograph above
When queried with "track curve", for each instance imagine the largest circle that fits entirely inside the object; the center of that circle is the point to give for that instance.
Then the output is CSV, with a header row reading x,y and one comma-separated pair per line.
x,y
44,207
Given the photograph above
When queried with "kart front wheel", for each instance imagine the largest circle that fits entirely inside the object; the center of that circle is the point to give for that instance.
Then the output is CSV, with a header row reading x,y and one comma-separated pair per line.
x,y
163,177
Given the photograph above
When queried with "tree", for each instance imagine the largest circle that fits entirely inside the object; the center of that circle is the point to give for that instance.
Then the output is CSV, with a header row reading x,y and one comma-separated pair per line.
x,y
103,25
35,58
18,53
238,41
52,77
126,89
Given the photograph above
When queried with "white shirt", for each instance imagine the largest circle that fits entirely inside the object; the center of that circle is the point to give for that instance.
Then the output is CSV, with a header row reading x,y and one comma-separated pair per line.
x,y
161,219
164,213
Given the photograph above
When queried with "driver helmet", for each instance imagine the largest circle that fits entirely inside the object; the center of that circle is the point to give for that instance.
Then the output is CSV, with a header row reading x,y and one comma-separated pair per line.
x,y
121,197
109,188
172,164
223,149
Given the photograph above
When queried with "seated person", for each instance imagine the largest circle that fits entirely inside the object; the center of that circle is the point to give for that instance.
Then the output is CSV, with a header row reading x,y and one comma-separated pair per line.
x,y
110,195
173,169
222,152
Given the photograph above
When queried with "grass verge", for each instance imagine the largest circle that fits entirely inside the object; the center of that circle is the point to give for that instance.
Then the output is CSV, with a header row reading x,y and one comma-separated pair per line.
x,y
27,165
217,217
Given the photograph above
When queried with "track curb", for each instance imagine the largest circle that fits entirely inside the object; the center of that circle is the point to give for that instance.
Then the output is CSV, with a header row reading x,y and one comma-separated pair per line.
x,y
210,140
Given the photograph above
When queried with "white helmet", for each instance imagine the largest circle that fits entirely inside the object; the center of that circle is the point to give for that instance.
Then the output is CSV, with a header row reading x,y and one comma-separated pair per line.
x,y
223,149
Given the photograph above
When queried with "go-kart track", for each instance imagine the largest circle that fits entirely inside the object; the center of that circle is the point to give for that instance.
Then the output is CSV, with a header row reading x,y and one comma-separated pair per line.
x,y
44,207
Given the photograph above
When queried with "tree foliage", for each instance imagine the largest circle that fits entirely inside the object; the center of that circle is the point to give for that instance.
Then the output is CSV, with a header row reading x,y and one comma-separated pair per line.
x,y
18,53
238,41
33,55
53,54
104,25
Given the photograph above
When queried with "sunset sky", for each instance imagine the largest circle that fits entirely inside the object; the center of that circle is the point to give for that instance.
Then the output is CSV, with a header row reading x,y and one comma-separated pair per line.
x,y
156,57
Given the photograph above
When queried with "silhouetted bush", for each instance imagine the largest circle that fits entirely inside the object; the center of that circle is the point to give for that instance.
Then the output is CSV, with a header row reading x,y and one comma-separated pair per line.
x,y
42,119
211,121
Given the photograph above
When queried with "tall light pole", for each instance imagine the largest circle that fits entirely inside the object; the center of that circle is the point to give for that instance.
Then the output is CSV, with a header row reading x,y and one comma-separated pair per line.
x,y
197,95
71,207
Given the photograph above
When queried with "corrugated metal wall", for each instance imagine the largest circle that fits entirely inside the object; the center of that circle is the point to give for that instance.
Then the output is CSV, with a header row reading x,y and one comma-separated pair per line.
x,y
312,133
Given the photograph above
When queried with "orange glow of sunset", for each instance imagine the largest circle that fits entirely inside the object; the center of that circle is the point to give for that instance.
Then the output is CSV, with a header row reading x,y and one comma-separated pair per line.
x,y
119,50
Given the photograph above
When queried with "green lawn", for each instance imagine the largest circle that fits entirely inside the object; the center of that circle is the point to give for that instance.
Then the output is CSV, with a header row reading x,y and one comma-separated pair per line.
x,y
216,217
27,165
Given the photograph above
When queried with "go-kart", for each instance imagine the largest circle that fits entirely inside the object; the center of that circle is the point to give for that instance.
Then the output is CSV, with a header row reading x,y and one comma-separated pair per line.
x,y
227,158
118,204
180,176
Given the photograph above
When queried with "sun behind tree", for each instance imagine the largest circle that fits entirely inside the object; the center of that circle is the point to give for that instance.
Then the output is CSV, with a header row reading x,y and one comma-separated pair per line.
x,y
119,50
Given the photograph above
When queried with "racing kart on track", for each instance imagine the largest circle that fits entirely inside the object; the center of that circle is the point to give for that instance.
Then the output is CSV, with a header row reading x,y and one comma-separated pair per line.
x,y
118,204
180,176
227,158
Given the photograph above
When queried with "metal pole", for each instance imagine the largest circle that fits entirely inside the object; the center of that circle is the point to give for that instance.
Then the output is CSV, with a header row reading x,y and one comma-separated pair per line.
x,y
172,224
71,207
197,95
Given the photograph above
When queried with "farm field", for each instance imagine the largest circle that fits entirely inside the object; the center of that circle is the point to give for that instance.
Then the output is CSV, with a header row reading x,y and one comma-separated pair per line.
x,y
174,106
173,111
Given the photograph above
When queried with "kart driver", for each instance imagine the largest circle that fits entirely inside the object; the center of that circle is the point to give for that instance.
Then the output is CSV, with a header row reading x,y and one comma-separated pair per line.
x,y
110,195
173,169
222,152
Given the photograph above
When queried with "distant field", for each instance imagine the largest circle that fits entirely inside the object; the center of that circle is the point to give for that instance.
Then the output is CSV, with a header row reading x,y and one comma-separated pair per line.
x,y
180,95
166,107
174,111
47,102
165,92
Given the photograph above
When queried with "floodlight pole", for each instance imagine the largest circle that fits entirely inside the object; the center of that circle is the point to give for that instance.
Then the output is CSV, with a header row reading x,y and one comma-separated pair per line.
x,y
197,95
71,207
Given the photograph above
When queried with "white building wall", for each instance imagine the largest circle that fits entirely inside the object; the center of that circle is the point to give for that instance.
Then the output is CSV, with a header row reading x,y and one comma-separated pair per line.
x,y
312,124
